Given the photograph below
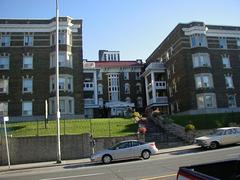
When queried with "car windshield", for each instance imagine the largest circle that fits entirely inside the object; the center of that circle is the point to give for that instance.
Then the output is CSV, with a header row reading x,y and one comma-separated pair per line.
x,y
218,132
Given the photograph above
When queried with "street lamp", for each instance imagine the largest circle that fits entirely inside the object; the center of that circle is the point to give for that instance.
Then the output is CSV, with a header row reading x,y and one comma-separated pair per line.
x,y
57,86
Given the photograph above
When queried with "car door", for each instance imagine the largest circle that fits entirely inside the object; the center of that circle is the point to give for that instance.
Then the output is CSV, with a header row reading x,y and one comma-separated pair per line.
x,y
236,135
122,151
228,137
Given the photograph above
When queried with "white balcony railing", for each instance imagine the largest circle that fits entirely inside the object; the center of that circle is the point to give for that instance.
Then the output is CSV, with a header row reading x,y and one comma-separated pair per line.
x,y
88,86
160,85
159,100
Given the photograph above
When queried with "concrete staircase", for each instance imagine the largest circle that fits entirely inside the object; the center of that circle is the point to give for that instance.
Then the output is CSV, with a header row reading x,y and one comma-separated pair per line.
x,y
162,138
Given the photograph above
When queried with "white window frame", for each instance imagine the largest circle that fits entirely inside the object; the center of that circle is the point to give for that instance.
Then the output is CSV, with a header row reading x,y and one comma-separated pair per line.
x,y
65,59
203,104
201,60
27,88
126,75
4,62
139,102
28,39
26,60
238,42
226,62
4,86
200,80
127,88
27,111
67,81
66,101
200,40
229,82
138,88
223,43
3,108
5,40
232,104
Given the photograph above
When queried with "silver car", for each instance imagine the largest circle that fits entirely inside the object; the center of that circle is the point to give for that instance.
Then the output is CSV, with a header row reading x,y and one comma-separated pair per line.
x,y
125,150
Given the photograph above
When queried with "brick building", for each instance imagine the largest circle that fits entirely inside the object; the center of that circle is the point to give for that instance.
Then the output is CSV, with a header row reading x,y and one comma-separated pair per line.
x,y
27,66
202,68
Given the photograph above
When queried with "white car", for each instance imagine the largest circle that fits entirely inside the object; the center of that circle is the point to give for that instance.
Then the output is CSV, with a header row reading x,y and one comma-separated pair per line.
x,y
125,150
221,136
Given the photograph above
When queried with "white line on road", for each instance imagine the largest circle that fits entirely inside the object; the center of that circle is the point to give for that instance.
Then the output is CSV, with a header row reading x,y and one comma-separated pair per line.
x,y
68,177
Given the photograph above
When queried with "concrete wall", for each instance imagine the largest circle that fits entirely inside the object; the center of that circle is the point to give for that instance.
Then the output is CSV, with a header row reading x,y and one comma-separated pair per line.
x,y
43,148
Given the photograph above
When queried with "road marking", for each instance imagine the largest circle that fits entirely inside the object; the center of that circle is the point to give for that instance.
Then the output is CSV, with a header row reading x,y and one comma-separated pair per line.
x,y
68,177
159,177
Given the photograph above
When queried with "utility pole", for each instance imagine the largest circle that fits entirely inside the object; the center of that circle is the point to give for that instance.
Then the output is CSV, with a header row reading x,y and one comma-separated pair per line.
x,y
57,86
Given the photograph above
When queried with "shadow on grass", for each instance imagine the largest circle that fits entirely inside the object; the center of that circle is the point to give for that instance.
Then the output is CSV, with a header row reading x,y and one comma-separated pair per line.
x,y
15,128
130,128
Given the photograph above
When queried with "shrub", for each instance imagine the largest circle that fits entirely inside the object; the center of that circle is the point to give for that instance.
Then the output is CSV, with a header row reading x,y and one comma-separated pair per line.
x,y
189,127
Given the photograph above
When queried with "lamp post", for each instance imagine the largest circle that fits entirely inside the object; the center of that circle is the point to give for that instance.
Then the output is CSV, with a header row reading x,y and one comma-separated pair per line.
x,y
57,86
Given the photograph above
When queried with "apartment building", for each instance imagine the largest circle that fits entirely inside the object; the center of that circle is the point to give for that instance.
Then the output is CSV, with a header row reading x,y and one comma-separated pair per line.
x,y
112,88
105,55
27,67
202,65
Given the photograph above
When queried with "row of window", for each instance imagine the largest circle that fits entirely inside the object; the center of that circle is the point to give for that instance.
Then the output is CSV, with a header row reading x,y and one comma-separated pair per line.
x,y
203,60
65,84
65,37
200,40
66,106
65,60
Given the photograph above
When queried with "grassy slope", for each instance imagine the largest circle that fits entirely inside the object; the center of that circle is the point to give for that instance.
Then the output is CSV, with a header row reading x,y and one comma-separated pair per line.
x,y
98,127
208,121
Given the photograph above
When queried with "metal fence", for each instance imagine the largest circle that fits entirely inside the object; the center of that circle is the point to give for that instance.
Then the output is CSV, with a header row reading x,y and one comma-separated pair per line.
x,y
96,127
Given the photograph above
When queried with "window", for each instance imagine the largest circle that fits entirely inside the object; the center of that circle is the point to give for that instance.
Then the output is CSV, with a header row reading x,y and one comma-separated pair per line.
x,y
137,75
100,89
4,62
198,40
5,40
113,87
3,109
65,59
27,108
66,105
139,88
3,85
206,100
127,88
231,101
226,62
99,75
201,60
229,82
100,102
27,85
27,62
238,42
223,43
139,102
62,38
65,83
28,40
203,81
126,76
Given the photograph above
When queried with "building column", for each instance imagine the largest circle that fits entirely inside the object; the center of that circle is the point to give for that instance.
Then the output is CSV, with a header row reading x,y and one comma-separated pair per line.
x,y
153,87
95,87
146,88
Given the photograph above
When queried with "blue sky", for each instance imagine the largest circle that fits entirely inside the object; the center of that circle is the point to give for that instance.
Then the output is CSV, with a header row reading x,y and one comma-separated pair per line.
x,y
134,27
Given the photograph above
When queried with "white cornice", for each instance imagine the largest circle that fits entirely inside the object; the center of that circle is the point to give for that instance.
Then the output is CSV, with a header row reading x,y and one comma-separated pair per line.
x,y
38,27
211,32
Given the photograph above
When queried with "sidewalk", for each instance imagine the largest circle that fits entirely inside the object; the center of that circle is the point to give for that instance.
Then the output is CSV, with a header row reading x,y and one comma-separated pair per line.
x,y
82,162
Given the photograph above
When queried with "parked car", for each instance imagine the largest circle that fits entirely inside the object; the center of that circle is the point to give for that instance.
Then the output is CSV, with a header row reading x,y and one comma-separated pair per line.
x,y
221,136
125,150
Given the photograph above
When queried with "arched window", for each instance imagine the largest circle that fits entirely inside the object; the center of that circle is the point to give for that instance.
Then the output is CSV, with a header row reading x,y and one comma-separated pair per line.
x,y
127,88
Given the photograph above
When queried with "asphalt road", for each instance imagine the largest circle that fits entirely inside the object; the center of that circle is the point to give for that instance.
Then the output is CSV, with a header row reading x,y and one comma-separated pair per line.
x,y
163,166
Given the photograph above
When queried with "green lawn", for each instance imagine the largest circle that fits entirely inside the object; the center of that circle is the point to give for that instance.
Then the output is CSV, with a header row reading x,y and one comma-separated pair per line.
x,y
207,121
98,127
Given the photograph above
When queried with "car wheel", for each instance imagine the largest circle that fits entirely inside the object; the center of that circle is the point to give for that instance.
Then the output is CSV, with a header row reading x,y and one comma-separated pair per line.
x,y
106,159
146,154
214,145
